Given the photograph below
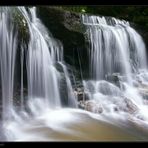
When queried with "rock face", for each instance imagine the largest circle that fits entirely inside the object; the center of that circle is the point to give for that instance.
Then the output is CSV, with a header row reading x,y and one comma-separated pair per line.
x,y
81,95
67,27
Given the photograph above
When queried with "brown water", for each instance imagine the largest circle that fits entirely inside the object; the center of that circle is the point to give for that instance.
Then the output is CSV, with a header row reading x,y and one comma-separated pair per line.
x,y
90,130
73,126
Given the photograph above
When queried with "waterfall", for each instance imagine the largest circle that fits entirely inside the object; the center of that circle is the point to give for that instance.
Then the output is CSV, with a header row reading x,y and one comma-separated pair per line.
x,y
8,39
22,64
118,82
118,64
42,75
71,96
114,47
42,53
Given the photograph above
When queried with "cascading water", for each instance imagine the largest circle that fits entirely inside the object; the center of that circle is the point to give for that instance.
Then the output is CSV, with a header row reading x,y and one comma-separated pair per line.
x,y
118,79
71,96
42,75
42,53
115,47
8,39
118,66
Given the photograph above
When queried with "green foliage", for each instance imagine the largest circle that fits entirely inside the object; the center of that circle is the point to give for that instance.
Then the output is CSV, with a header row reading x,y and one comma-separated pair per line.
x,y
79,9
21,24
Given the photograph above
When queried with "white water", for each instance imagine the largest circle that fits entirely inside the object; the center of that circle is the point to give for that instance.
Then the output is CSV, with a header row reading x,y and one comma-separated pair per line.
x,y
22,83
43,78
42,75
72,101
116,51
115,47
8,41
73,125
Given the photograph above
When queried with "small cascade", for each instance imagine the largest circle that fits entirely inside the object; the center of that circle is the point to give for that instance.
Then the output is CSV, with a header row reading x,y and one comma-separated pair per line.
x,y
42,75
114,47
43,53
72,99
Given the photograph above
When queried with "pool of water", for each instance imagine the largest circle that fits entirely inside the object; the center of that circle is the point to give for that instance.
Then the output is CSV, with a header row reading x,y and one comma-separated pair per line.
x,y
73,125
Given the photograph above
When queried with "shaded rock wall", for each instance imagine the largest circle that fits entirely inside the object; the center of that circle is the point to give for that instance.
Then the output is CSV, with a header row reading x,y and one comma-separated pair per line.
x,y
67,27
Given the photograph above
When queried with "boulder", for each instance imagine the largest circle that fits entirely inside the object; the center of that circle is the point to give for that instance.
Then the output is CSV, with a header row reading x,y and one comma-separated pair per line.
x,y
130,107
92,106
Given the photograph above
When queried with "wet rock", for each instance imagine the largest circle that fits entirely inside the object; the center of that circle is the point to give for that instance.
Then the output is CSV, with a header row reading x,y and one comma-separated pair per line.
x,y
142,88
67,27
17,97
130,106
145,102
140,117
116,109
81,95
110,89
144,92
81,104
93,107
114,78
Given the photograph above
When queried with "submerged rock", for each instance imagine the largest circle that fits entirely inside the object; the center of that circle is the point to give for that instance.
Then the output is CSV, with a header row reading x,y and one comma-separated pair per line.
x,y
107,88
130,106
114,78
93,107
